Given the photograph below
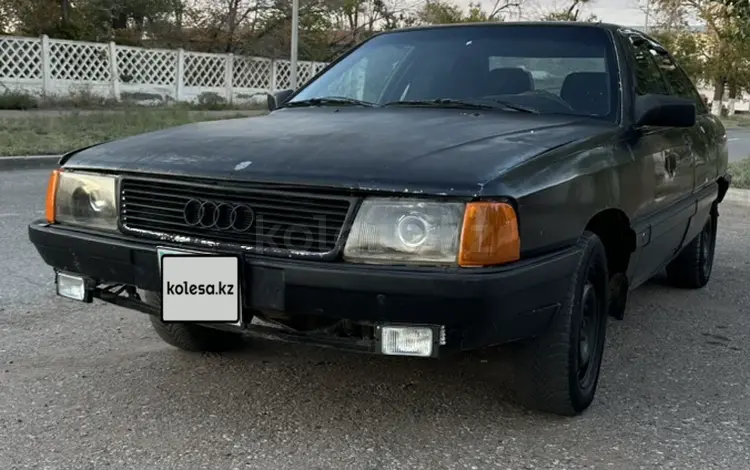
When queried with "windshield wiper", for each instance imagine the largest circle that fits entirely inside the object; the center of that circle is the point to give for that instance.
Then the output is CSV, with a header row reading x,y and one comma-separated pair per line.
x,y
328,100
516,107
443,103
473,104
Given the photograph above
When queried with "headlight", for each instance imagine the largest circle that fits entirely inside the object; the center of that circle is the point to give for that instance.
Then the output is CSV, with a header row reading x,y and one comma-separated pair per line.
x,y
82,199
412,231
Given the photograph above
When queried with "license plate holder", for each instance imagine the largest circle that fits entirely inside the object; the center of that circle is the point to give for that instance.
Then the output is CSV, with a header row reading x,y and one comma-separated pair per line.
x,y
236,279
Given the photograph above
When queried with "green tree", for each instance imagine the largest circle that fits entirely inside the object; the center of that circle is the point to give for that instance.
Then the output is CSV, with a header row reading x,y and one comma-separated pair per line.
x,y
725,50
686,48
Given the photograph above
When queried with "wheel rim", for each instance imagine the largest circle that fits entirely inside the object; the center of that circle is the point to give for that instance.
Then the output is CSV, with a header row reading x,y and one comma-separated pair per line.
x,y
707,246
588,339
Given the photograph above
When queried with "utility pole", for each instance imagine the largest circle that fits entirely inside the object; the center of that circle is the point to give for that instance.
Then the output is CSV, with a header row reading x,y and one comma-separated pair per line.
x,y
295,41
648,10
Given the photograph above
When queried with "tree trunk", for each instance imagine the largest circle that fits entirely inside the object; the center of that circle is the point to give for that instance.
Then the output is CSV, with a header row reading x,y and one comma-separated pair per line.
x,y
732,97
120,21
65,10
718,96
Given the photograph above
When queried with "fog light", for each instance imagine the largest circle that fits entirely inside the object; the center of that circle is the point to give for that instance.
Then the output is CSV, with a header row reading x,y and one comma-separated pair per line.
x,y
71,287
406,341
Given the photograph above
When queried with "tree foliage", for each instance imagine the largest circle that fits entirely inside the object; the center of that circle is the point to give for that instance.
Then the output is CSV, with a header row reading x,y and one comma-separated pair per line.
x,y
718,56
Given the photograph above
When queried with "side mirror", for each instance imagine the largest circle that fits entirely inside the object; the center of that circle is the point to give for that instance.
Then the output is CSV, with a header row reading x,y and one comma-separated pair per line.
x,y
274,100
664,111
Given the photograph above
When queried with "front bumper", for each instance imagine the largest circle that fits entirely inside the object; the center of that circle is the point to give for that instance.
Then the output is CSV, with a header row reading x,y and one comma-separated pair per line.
x,y
477,307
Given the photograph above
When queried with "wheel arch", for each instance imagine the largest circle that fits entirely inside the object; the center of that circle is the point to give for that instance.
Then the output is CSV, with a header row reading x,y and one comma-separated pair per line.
x,y
612,226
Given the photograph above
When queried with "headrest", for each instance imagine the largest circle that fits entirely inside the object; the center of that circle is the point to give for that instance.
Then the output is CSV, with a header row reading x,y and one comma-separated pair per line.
x,y
587,92
510,80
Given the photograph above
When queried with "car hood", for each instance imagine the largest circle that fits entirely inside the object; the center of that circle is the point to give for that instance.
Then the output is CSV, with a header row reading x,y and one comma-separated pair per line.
x,y
436,151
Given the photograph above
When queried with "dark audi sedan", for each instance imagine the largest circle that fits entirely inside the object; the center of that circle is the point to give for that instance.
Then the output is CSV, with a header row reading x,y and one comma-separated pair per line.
x,y
434,190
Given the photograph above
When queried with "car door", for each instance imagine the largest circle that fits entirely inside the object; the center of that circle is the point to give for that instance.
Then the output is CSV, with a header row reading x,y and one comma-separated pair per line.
x,y
704,141
666,160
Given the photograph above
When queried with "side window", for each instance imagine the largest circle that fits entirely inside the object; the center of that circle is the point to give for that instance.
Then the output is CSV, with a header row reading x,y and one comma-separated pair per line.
x,y
679,81
648,78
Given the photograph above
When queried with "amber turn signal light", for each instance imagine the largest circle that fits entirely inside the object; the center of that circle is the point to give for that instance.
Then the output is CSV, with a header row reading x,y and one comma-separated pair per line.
x,y
489,235
49,207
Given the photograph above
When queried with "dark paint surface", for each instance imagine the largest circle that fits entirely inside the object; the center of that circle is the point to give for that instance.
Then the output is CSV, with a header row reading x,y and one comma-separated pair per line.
x,y
561,171
436,151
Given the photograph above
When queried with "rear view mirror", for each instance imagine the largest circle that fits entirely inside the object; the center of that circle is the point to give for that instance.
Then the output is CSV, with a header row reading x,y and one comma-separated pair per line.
x,y
274,100
664,111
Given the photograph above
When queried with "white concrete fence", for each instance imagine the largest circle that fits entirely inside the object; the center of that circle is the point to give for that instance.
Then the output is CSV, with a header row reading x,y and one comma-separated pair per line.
x,y
61,67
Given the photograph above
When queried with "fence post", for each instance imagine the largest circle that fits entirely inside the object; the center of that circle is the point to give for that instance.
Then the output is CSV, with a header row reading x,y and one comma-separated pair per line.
x,y
113,70
179,73
228,76
273,76
46,66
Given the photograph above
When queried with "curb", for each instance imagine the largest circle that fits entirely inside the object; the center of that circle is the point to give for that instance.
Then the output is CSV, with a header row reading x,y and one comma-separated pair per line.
x,y
39,162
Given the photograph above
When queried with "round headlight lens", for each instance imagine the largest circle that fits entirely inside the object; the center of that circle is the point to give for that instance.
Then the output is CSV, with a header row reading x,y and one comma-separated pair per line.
x,y
96,202
85,201
412,230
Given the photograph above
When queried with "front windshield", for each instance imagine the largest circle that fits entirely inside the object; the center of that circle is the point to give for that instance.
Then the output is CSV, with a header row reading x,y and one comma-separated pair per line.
x,y
553,69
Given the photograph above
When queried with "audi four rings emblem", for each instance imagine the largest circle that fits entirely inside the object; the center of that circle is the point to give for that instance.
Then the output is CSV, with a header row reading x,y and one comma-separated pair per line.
x,y
218,215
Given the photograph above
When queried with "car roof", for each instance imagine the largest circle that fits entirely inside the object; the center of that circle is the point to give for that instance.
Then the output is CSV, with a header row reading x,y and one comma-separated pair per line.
x,y
502,24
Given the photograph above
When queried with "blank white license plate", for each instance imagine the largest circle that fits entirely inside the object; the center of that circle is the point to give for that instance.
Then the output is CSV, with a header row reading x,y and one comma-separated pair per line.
x,y
199,287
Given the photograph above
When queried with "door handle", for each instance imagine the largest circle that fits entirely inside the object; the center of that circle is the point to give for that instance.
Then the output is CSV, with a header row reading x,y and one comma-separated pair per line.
x,y
670,164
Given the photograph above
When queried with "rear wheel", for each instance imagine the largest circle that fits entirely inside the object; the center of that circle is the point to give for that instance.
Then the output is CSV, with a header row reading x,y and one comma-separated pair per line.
x,y
558,371
190,337
692,267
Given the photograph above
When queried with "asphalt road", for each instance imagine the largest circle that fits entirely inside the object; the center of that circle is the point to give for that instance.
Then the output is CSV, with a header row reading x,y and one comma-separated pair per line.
x,y
91,387
739,144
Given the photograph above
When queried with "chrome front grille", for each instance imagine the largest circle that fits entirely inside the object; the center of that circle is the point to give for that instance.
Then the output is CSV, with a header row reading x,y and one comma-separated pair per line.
x,y
266,220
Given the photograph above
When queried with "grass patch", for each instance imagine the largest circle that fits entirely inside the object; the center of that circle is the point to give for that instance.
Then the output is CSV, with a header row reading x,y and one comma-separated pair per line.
x,y
43,135
16,100
740,172
738,120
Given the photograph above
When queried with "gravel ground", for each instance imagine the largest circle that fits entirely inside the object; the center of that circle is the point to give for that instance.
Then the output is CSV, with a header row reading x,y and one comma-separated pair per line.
x,y
90,387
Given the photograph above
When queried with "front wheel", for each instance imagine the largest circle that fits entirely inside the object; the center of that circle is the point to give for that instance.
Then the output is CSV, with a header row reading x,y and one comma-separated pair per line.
x,y
558,371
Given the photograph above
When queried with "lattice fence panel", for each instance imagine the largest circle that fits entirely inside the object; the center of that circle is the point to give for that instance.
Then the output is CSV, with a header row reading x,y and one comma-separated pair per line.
x,y
305,71
20,58
283,74
204,70
251,72
79,61
318,66
136,65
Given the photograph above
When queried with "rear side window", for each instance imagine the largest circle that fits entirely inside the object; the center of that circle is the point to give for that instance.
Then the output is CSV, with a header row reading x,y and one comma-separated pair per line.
x,y
648,78
679,81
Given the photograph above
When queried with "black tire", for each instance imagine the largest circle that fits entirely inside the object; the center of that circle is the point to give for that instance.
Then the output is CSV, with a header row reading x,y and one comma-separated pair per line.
x,y
190,337
547,367
692,267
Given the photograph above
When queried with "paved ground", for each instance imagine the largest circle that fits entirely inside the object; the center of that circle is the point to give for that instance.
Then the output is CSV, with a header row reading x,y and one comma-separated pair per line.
x,y
739,144
93,387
